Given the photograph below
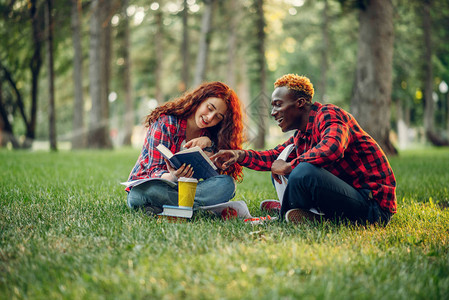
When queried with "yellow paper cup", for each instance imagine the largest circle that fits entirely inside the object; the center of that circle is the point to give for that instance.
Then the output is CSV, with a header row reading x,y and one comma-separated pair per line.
x,y
186,191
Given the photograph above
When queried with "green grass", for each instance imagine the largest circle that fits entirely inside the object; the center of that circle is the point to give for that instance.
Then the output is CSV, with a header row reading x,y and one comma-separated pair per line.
x,y
65,232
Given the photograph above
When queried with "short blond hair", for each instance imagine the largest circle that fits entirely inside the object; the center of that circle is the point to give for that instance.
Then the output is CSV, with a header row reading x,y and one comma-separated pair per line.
x,y
298,83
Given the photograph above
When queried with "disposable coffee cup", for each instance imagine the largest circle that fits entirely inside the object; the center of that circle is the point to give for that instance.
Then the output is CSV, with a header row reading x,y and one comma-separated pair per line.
x,y
186,191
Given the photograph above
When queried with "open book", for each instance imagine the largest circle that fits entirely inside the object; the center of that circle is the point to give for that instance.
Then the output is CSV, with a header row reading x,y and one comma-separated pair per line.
x,y
202,166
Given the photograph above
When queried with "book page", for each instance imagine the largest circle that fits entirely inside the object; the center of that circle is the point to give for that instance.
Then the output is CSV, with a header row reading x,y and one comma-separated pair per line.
x,y
280,187
164,151
143,180
240,206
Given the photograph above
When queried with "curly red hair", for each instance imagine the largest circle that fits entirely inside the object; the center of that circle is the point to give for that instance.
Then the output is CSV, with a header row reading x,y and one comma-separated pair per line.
x,y
228,134
300,84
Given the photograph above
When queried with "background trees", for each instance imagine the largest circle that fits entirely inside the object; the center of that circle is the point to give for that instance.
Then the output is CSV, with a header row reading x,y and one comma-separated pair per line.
x,y
113,65
371,98
78,134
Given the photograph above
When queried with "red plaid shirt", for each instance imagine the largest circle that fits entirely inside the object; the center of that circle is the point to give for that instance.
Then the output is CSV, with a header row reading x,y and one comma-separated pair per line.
x,y
335,141
167,130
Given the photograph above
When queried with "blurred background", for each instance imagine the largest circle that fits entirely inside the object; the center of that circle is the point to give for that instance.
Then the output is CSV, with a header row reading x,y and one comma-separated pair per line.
x,y
84,74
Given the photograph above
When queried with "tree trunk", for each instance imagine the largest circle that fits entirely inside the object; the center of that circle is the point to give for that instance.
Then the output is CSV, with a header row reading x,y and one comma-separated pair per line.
x,y
262,99
324,52
106,50
185,73
78,135
35,66
401,125
159,55
371,100
429,109
98,66
129,103
51,77
232,42
203,51
95,126
447,115
6,132
8,127
3,115
3,141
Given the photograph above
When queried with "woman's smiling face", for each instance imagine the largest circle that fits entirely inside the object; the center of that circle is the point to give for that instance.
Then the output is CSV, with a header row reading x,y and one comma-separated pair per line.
x,y
210,112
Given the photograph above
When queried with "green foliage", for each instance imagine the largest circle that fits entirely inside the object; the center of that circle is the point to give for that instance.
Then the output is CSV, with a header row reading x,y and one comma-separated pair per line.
x,y
294,42
305,28
65,232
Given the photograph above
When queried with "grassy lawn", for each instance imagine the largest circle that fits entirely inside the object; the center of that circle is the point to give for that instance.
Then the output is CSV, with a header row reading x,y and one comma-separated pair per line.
x,y
65,232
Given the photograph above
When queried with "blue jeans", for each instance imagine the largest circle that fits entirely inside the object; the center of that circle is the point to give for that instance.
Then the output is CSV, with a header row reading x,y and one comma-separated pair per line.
x,y
211,191
313,187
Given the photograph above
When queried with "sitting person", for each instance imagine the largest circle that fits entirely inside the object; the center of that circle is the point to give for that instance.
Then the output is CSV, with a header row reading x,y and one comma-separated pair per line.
x,y
209,117
335,168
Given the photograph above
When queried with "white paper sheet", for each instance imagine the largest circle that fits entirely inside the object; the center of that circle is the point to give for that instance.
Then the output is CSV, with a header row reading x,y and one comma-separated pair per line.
x,y
280,187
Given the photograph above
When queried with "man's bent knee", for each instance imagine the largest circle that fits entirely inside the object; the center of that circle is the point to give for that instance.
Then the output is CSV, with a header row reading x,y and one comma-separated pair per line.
x,y
303,171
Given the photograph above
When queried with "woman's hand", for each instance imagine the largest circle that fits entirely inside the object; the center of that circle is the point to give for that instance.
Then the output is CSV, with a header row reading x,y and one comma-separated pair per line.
x,y
202,142
183,171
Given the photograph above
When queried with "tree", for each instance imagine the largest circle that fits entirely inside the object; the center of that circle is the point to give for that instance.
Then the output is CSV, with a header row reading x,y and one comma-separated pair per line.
x,y
98,67
203,51
185,73
35,66
259,75
158,42
232,42
17,56
324,51
106,54
371,98
78,136
126,75
428,78
51,75
6,132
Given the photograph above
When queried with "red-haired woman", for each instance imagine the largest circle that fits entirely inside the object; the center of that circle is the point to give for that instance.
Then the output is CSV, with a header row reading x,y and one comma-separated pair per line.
x,y
210,117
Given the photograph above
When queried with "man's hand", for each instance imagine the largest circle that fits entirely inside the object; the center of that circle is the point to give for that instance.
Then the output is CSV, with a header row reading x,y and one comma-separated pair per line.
x,y
280,167
224,158
202,142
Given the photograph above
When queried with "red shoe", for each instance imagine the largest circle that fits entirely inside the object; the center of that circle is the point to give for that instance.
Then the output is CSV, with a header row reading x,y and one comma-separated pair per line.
x,y
228,213
297,216
271,206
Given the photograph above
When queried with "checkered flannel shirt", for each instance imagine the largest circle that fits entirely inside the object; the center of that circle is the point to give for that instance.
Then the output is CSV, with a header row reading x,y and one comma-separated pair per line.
x,y
167,130
335,141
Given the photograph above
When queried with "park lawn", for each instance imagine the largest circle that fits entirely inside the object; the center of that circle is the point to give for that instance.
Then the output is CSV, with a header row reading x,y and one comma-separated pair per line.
x,y
65,232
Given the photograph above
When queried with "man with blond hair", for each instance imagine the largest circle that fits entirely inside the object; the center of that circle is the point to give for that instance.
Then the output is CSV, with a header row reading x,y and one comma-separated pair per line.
x,y
335,168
